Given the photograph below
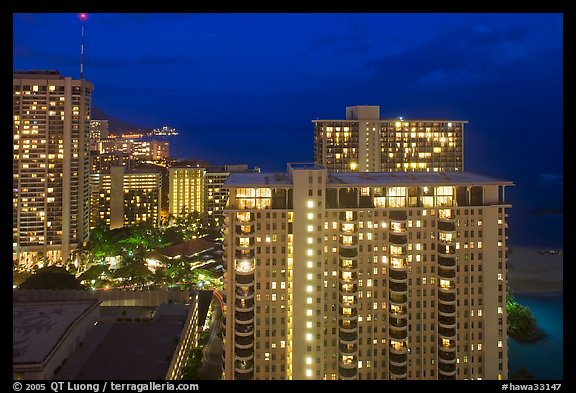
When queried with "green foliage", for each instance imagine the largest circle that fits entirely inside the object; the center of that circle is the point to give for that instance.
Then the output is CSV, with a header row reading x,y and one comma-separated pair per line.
x,y
522,324
52,277
193,364
522,374
19,277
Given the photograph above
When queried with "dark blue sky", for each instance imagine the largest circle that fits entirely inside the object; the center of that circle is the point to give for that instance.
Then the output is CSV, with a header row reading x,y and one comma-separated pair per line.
x,y
245,87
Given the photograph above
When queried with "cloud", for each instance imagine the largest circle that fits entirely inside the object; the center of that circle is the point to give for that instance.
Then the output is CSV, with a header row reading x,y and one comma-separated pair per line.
x,y
465,54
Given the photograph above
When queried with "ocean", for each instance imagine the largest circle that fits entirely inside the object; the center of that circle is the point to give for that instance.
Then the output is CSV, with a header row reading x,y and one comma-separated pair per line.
x,y
543,358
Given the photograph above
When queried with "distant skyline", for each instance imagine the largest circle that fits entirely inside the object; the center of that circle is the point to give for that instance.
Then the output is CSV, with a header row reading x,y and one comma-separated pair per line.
x,y
243,88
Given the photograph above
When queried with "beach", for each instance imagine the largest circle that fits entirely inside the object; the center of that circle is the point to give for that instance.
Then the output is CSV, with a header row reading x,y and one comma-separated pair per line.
x,y
531,272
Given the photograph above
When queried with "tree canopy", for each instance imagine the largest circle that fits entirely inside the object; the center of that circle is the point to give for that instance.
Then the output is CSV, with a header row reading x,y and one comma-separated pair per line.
x,y
52,277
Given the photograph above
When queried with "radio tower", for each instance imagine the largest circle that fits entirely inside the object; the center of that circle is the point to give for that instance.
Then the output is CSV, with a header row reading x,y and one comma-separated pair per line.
x,y
83,17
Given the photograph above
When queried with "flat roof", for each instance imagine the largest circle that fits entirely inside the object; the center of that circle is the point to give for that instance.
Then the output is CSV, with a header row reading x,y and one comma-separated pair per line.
x,y
400,120
138,350
37,327
363,179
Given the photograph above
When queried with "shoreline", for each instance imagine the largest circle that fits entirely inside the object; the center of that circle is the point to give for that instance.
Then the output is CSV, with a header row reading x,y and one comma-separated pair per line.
x,y
530,272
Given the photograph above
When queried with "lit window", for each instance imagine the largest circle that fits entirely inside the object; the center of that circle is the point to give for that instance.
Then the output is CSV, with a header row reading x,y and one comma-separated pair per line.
x,y
308,313
308,360
310,240
308,336
308,300
308,373
310,204
309,288
499,310
309,325
309,276
310,216
310,228
499,343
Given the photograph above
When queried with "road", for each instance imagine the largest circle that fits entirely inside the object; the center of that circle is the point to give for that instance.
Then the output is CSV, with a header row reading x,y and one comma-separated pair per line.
x,y
212,354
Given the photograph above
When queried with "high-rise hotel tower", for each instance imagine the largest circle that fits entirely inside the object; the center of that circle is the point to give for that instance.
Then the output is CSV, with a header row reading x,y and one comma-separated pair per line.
x,y
365,275
51,118
365,143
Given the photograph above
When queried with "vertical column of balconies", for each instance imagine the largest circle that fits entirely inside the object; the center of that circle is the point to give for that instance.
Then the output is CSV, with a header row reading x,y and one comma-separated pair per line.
x,y
446,295
244,298
225,311
398,296
348,297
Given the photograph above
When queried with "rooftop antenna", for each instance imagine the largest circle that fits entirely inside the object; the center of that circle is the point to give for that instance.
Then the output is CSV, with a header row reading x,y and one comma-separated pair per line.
x,y
83,17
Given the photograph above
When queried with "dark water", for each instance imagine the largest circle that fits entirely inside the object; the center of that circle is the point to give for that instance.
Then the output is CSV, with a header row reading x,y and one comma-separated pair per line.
x,y
544,358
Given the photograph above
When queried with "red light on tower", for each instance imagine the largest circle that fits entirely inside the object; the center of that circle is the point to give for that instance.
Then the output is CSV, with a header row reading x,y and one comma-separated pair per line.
x,y
83,17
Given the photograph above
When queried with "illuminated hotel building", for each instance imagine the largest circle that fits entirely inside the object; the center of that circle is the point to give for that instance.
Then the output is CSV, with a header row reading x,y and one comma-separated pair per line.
x,y
137,150
365,275
98,130
122,198
186,190
201,188
364,143
51,122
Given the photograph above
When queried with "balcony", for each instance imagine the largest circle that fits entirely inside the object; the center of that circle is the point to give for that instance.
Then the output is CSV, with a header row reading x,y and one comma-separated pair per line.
x,y
446,250
446,345
348,277
447,369
244,377
348,312
398,371
245,243
398,322
348,228
348,264
348,289
398,275
348,349
398,311
347,372
247,279
447,297
397,239
398,227
244,305
350,337
446,214
245,217
244,254
348,252
446,310
446,332
446,321
348,241
446,273
244,230
396,298
244,342
244,318
244,354
446,261
244,294
348,326
398,334
399,348
447,357
243,367
243,330
398,359
400,287
446,226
